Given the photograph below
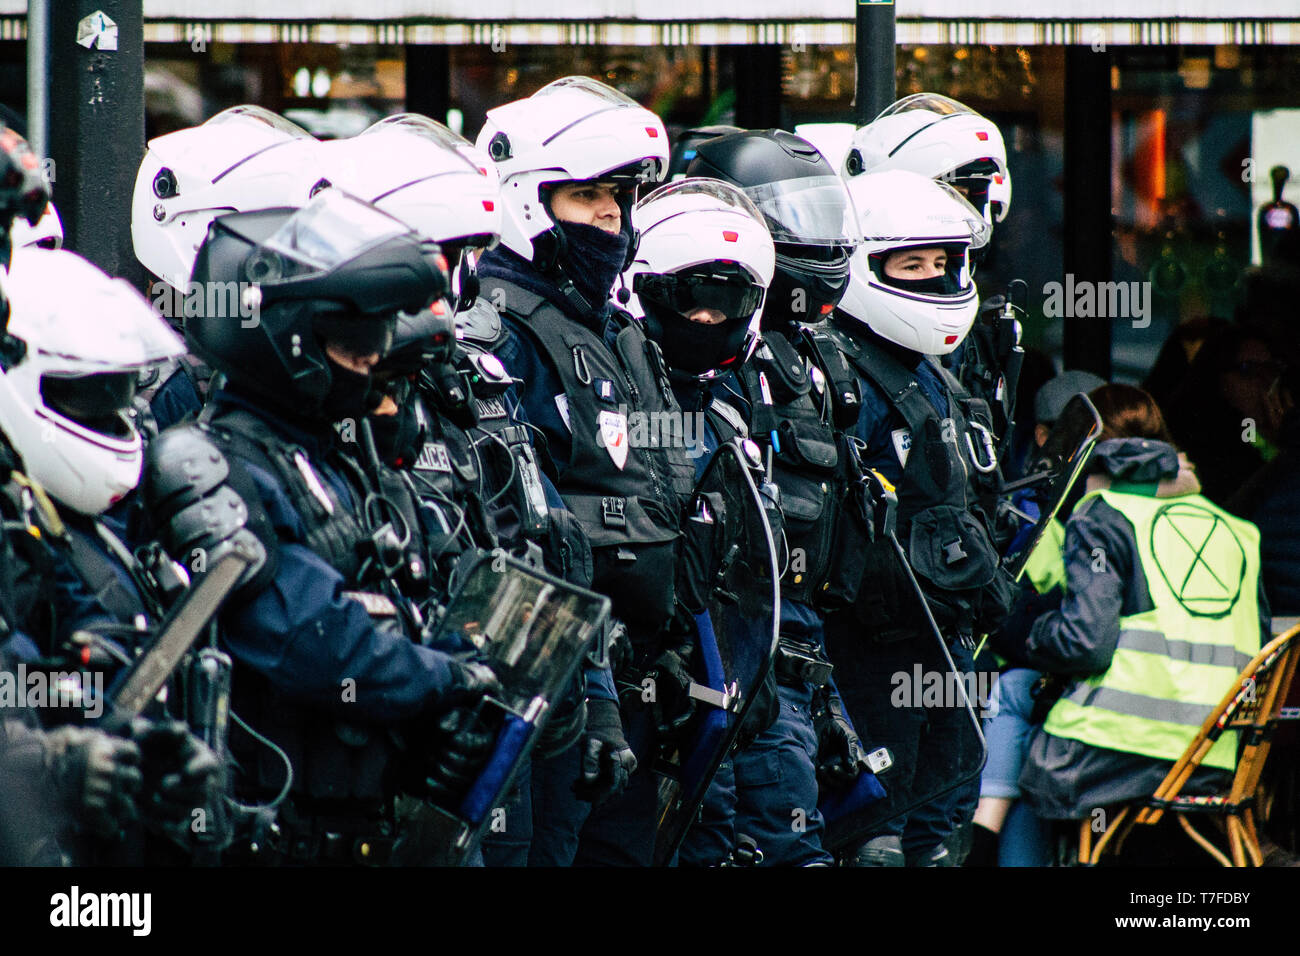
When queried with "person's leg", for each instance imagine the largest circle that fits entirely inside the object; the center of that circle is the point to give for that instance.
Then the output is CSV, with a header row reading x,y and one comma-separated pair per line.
x,y
1007,737
710,840
948,749
776,787
558,815
621,831
866,675
1026,839
510,830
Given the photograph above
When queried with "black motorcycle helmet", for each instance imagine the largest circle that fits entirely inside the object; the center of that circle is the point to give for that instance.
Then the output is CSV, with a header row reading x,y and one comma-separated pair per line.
x,y
686,146
273,286
807,210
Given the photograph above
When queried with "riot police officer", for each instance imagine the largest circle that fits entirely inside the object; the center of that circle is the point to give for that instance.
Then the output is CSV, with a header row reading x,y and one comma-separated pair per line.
x,y
911,297
330,684
569,158
790,404
702,267
75,597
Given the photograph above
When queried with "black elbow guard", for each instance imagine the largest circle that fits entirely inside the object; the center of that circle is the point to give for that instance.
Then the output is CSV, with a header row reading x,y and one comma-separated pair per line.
x,y
201,506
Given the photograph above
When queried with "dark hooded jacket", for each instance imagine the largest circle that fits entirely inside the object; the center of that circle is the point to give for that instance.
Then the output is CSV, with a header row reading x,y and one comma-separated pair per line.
x,y
1067,779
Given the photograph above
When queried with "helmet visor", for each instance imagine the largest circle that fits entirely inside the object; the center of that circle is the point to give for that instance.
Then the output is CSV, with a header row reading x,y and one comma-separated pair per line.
x,y
417,125
333,228
811,210
713,189
930,102
587,85
721,289
95,401
261,115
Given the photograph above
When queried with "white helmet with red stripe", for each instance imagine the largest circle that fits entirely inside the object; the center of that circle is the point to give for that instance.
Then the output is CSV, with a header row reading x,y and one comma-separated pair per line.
x,y
574,129
66,394
899,211
435,181
699,277
938,137
243,159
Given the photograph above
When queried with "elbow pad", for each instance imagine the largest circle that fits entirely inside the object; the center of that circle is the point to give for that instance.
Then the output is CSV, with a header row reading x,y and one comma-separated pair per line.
x,y
201,506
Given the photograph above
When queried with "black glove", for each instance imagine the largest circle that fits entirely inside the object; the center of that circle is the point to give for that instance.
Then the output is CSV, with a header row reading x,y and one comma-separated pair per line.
x,y
95,777
840,757
672,705
471,682
464,744
607,761
180,771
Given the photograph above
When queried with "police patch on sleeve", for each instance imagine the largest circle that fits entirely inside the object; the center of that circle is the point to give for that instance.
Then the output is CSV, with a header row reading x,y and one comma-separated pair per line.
x,y
902,444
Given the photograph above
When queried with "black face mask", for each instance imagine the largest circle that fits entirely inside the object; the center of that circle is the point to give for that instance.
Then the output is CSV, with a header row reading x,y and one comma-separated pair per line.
x,y
802,296
593,260
945,284
694,347
350,395
397,437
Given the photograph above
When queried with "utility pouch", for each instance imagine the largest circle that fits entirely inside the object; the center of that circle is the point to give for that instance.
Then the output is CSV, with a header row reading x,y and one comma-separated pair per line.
x,y
799,663
805,444
953,560
785,372
703,537
853,536
634,555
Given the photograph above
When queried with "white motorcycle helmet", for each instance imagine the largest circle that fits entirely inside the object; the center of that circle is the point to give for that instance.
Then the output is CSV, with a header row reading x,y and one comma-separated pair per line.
x,y
704,245
244,158
574,129
77,342
47,233
435,181
938,137
898,211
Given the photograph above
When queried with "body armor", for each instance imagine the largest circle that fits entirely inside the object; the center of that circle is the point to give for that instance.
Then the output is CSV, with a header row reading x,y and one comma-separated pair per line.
x,y
628,500
942,522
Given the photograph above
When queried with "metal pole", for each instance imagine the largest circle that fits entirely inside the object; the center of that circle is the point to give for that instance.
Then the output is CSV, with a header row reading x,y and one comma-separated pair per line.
x,y
428,80
38,76
97,130
1087,227
874,46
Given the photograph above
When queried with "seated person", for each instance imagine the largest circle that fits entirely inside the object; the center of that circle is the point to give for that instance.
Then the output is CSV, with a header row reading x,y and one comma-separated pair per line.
x,y
1163,607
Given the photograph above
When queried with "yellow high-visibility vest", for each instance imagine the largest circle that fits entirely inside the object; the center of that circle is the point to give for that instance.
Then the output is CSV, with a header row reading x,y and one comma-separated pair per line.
x,y
1174,663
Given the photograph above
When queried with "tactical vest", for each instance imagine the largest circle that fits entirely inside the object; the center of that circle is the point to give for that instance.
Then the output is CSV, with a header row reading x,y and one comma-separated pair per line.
x,y
332,760
103,576
330,526
944,529
794,419
31,528
505,445
1175,662
628,494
